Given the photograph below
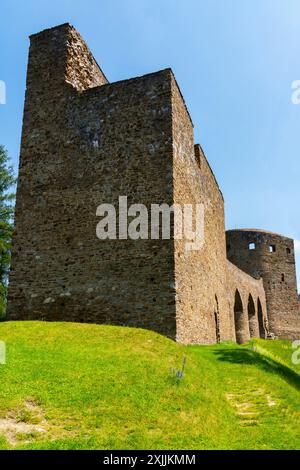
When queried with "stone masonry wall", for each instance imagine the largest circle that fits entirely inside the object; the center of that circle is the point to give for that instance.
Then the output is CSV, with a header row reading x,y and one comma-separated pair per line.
x,y
201,274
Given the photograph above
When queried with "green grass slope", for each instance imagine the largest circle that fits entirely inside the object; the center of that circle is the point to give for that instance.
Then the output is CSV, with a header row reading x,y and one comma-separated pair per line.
x,y
77,386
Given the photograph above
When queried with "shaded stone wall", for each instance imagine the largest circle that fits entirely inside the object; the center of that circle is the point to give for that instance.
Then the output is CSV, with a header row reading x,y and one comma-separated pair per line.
x,y
202,306
270,256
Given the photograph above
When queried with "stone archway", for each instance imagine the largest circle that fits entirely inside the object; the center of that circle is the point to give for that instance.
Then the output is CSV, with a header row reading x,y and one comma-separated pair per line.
x,y
261,326
252,318
239,319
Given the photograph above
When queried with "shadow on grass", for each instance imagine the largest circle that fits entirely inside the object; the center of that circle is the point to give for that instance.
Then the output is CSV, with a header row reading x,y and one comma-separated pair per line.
x,y
246,356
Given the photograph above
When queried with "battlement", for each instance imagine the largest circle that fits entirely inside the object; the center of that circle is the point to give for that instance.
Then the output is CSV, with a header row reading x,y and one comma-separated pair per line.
x,y
259,231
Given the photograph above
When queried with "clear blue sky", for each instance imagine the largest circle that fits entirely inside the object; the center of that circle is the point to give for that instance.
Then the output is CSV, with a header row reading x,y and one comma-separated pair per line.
x,y
235,61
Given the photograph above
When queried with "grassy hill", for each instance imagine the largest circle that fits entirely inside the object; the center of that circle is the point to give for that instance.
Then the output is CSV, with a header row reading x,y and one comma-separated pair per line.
x,y
77,386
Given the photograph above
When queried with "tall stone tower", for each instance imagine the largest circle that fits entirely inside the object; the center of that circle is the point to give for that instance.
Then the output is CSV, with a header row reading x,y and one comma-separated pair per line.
x,y
270,256
86,142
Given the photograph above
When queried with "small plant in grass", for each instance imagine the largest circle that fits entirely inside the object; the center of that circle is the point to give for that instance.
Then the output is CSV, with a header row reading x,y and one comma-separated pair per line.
x,y
178,374
24,416
27,416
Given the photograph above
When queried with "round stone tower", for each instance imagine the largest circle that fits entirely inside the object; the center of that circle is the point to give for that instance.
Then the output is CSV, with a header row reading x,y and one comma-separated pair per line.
x,y
270,256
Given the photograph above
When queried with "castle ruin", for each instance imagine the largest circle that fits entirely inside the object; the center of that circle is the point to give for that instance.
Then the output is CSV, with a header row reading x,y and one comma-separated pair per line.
x,y
86,141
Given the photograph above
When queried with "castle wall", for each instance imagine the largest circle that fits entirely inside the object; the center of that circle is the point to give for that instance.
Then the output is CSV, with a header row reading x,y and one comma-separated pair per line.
x,y
200,274
277,268
206,282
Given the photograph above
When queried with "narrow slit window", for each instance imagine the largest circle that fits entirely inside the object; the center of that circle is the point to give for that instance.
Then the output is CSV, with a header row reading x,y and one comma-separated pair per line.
x,y
282,277
288,250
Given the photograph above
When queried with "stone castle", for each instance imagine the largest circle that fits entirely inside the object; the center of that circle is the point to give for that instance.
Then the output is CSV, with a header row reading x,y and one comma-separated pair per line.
x,y
86,141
